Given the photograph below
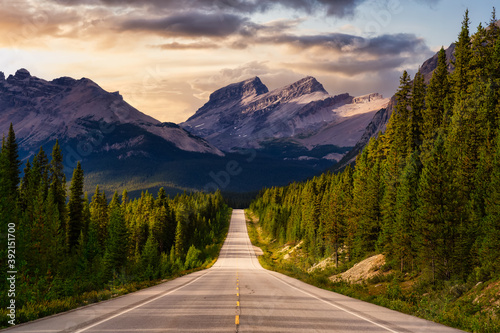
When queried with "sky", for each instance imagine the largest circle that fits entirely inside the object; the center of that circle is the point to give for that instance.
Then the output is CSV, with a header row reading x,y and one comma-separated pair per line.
x,y
166,56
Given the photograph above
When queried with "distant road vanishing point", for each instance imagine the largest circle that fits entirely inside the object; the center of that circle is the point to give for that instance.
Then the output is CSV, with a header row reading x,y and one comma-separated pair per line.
x,y
235,295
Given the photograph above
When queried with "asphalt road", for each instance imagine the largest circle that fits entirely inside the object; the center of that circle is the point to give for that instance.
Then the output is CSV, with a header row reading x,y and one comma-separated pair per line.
x,y
235,295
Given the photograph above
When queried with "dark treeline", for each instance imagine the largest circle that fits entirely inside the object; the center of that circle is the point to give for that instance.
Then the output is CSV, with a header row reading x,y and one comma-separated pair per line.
x,y
66,247
426,192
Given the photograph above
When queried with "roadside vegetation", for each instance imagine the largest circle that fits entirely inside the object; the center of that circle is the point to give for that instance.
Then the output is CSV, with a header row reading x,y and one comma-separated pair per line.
x,y
68,252
466,306
425,194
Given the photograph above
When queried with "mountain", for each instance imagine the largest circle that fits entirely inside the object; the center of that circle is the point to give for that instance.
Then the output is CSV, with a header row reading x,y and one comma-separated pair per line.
x,y
79,110
122,148
301,115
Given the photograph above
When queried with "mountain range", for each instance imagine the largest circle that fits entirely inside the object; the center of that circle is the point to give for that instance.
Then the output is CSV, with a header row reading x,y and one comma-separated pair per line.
x,y
301,115
291,133
67,109
121,147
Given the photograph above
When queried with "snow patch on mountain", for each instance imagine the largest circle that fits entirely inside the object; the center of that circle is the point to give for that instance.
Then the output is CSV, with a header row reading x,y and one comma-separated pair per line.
x,y
244,114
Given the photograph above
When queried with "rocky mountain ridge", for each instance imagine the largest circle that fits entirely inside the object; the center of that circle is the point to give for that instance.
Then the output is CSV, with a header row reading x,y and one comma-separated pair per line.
x,y
69,109
247,115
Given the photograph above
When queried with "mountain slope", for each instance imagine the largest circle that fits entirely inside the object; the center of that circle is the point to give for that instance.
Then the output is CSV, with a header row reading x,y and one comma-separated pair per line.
x,y
69,109
248,115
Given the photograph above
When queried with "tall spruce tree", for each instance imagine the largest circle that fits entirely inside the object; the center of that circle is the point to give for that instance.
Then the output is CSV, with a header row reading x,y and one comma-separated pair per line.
x,y
57,180
99,215
437,101
10,149
436,214
405,234
75,208
182,219
463,52
418,107
365,215
117,243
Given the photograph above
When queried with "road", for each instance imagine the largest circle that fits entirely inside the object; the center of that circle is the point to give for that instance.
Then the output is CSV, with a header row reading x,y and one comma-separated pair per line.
x,y
235,295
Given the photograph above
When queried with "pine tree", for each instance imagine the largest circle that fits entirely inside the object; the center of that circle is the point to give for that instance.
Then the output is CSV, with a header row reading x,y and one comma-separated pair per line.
x,y
117,242
10,149
404,240
437,100
400,119
150,259
75,208
53,238
181,218
461,73
24,188
57,180
365,215
436,213
41,172
416,115
99,215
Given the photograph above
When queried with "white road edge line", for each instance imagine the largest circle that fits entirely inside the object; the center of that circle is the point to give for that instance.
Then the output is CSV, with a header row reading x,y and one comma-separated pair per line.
x,y
335,306
322,300
138,306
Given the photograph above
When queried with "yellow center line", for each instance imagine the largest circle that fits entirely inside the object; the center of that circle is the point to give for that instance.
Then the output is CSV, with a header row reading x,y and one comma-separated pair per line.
x,y
237,316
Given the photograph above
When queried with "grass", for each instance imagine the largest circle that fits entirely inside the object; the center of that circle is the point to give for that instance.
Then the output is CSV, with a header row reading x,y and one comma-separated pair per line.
x,y
472,308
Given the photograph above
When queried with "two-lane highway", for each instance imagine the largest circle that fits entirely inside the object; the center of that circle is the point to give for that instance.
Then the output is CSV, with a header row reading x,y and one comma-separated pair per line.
x,y
235,295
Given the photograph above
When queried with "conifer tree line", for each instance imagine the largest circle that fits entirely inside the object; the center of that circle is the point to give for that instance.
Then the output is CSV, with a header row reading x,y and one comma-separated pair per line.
x,y
67,246
427,191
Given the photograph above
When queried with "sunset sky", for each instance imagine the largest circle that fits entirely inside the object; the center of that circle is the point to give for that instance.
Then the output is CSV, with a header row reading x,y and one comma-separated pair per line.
x,y
166,57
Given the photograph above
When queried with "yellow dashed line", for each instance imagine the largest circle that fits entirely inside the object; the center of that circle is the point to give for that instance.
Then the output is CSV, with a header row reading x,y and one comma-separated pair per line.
x,y
237,315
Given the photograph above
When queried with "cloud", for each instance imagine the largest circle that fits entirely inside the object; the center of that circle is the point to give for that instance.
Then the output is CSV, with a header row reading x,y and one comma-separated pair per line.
x,y
336,8
351,67
187,46
388,44
188,24
396,44
430,3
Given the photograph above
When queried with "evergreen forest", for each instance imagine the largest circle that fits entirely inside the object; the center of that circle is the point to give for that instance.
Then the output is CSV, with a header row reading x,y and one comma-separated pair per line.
x,y
426,192
68,250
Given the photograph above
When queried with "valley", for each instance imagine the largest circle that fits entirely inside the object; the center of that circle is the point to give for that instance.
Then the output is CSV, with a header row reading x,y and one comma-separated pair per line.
x,y
291,196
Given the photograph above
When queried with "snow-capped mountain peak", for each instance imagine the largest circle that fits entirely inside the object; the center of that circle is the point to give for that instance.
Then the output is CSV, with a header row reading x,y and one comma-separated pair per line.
x,y
246,113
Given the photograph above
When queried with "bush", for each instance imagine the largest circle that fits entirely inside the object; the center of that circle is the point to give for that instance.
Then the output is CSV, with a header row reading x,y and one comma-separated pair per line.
x,y
192,258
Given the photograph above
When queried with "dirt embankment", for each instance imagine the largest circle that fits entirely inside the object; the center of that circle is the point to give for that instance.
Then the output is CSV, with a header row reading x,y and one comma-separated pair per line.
x,y
362,271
